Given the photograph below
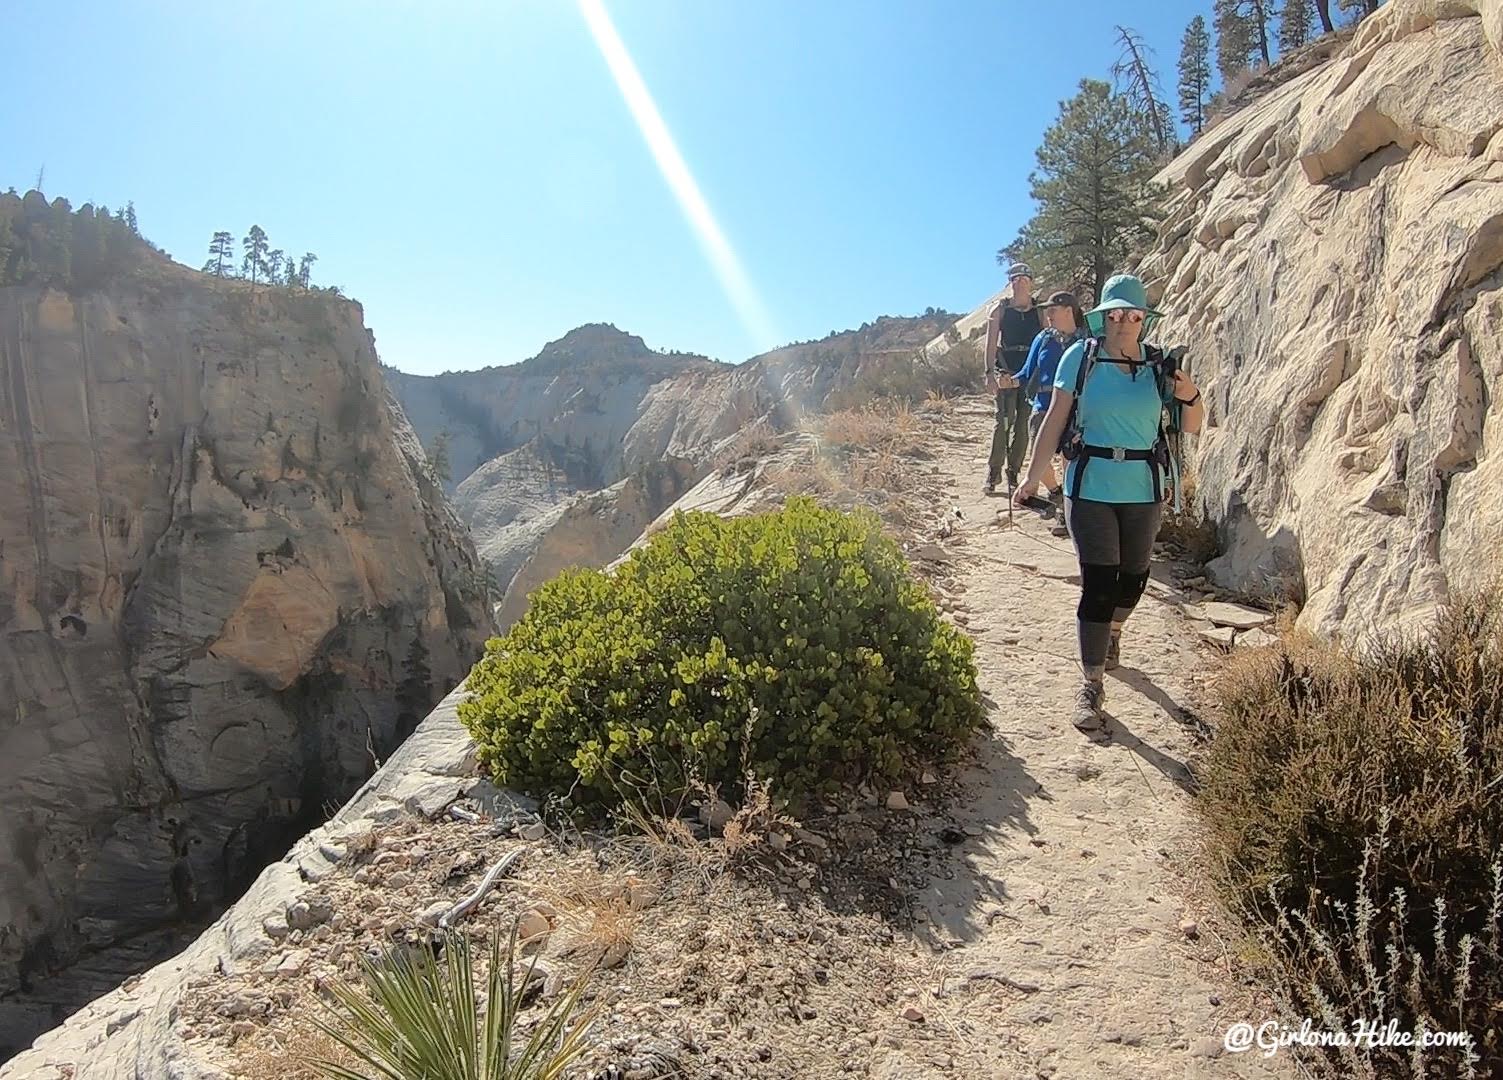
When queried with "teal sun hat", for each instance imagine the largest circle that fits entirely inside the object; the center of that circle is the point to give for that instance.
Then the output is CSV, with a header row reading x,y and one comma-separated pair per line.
x,y
1121,291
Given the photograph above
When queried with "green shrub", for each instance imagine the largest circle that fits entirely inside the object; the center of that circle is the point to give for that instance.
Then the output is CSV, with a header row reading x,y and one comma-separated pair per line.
x,y
792,647
1352,808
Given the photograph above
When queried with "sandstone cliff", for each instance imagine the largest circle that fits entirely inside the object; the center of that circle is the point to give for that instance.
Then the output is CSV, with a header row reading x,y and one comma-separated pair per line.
x,y
225,584
539,449
1333,256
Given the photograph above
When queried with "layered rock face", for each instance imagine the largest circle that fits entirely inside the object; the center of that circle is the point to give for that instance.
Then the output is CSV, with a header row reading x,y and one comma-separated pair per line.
x,y
1333,259
226,586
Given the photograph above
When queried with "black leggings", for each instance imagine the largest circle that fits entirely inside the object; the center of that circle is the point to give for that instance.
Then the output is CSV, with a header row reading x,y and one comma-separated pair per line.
x,y
1114,542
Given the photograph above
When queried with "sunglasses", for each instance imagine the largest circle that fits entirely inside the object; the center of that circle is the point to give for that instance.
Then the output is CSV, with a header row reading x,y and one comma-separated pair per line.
x,y
1121,315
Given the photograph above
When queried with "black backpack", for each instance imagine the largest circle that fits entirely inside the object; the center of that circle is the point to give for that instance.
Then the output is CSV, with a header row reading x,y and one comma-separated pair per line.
x,y
1162,463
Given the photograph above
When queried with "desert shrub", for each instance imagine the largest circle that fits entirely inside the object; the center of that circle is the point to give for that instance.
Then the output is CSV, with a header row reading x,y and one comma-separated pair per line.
x,y
792,647
1351,809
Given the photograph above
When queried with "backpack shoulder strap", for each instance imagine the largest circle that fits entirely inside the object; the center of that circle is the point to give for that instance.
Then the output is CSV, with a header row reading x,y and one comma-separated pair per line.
x,y
1087,362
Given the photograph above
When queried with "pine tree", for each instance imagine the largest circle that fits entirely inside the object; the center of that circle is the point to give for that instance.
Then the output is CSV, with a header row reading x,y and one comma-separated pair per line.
x,y
1323,9
1234,39
1195,74
130,219
1294,25
274,267
1139,84
305,268
1093,186
254,264
1256,12
221,252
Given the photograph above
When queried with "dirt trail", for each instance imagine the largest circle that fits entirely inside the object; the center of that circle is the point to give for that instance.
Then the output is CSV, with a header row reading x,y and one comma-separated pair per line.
x,y
1076,883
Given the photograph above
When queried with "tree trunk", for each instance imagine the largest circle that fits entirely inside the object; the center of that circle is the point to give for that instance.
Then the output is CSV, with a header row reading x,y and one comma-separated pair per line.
x,y
1323,8
1260,17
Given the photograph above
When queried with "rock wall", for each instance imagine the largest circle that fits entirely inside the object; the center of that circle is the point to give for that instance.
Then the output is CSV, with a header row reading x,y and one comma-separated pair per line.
x,y
136,1032
1333,256
596,528
225,583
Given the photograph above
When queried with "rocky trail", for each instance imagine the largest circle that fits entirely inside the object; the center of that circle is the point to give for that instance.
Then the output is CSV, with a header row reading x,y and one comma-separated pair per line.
x,y
1078,885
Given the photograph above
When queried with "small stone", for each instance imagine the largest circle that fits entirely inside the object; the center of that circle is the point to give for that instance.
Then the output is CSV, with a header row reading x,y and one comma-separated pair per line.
x,y
1254,639
535,831
1236,616
777,841
671,1003
928,778
533,925
275,927
805,884
1215,999
813,840
400,880
292,964
896,800
242,1028
308,913
974,830
335,853
716,814
1189,928
639,897
1221,636
614,954
372,922
430,915
913,1015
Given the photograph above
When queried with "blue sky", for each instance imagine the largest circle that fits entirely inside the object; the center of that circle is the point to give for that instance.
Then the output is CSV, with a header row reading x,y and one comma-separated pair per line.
x,y
470,173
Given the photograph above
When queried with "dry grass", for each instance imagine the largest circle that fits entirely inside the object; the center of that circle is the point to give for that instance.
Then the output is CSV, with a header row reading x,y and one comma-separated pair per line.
x,y
756,442
891,430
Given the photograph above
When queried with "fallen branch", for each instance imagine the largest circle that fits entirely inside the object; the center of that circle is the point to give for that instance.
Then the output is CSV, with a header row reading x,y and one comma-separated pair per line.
x,y
459,813
469,903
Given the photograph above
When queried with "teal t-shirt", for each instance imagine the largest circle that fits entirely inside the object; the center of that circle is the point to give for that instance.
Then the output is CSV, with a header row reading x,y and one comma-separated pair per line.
x,y
1115,409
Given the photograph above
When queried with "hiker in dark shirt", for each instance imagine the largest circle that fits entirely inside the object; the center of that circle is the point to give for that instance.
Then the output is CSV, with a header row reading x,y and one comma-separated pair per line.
x,y
1066,326
1013,325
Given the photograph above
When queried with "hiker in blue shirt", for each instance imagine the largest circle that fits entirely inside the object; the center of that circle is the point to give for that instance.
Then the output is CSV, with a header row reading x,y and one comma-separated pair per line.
x,y
1066,325
1116,478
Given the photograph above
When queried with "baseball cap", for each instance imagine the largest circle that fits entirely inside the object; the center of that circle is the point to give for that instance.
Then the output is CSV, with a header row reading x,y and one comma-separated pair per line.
x,y
1019,270
1060,299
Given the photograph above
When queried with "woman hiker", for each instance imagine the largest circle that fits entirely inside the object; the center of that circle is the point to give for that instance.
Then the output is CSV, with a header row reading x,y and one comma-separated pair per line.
x,y
1066,326
1010,330
1115,481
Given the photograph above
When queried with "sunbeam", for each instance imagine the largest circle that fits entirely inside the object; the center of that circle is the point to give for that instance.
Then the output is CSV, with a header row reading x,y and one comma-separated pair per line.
x,y
675,170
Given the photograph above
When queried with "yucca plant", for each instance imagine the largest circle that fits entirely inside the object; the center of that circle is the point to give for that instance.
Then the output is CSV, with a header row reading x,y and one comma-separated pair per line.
x,y
418,1019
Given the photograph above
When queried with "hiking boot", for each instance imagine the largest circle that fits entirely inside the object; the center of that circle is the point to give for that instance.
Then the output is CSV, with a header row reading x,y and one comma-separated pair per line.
x,y
1059,528
1088,701
1012,481
990,487
1114,652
